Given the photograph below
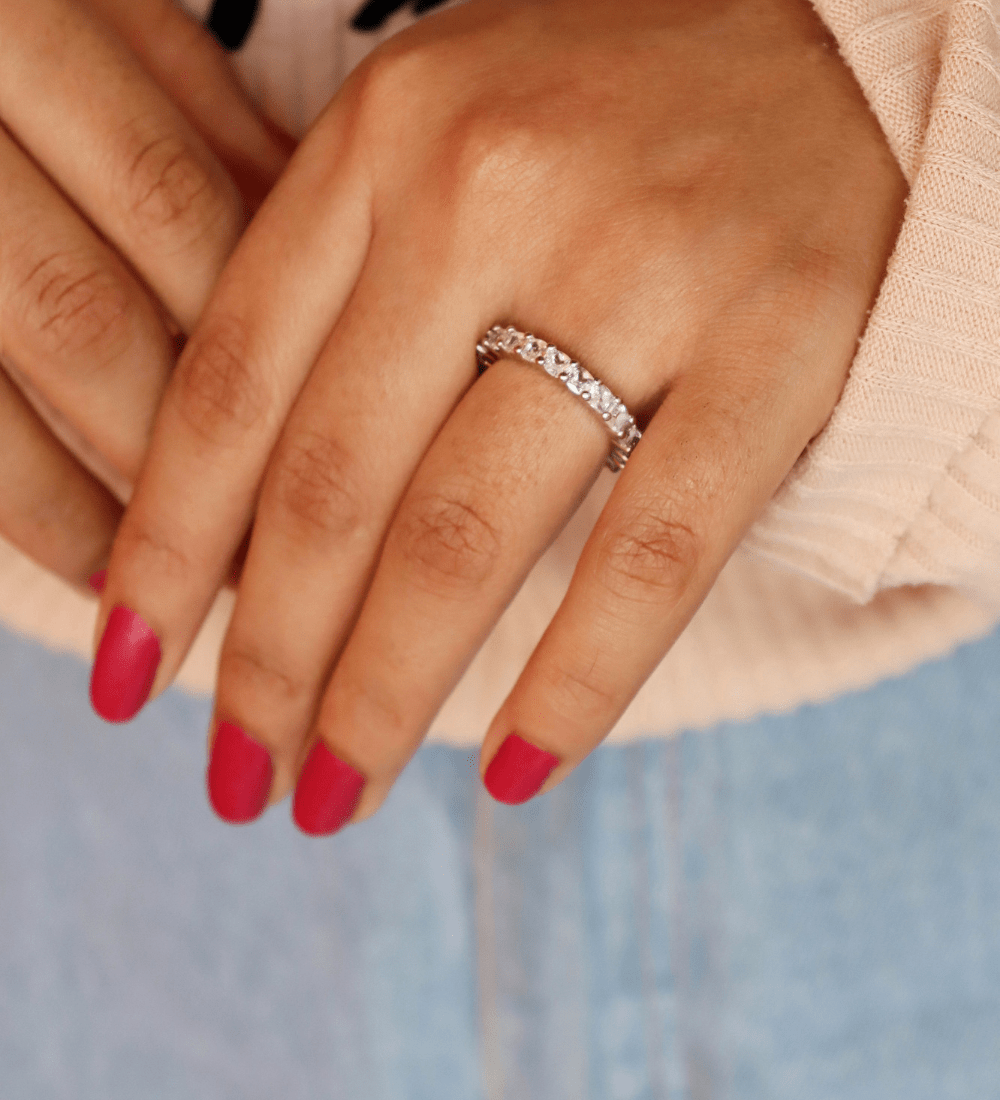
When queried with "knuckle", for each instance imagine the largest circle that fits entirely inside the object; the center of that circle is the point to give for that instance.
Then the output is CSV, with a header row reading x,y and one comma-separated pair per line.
x,y
448,540
75,306
168,188
654,561
394,73
373,702
578,697
220,392
151,551
814,266
316,484
253,678
501,161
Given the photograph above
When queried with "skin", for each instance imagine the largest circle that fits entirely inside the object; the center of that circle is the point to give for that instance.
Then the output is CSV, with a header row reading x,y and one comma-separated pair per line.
x,y
692,197
130,162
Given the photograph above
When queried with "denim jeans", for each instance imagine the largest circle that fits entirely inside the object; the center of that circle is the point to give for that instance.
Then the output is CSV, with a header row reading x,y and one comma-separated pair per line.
x,y
802,907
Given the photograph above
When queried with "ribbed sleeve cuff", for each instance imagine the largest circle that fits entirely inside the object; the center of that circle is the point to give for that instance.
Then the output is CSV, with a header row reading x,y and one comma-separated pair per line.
x,y
903,485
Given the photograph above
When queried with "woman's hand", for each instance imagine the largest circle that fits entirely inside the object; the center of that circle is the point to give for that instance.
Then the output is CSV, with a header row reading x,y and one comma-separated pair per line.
x,y
129,159
691,197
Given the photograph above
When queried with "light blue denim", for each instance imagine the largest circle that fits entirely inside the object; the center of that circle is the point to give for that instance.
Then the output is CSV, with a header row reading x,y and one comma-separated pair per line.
x,y
796,908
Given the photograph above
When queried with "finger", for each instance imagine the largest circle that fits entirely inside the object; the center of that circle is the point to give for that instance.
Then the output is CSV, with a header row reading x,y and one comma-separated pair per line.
x,y
229,395
81,104
329,494
502,478
51,508
74,320
714,454
196,73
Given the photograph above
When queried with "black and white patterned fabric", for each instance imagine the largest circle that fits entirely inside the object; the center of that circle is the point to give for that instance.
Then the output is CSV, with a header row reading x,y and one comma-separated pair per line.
x,y
292,55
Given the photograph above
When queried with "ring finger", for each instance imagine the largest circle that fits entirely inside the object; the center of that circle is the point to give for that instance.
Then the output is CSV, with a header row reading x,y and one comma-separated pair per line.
x,y
501,480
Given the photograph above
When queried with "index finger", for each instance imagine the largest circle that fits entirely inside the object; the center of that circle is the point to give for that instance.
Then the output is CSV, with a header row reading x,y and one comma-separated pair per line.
x,y
221,414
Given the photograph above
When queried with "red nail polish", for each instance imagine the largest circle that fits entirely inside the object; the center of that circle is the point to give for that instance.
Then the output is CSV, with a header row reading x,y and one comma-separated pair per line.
x,y
327,794
239,775
125,666
98,580
518,770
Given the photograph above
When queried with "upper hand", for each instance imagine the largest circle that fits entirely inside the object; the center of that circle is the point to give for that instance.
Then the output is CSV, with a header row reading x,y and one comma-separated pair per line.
x,y
129,161
693,198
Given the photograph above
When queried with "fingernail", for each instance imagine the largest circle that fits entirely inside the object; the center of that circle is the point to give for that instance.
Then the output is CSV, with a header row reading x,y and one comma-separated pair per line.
x,y
518,770
327,794
239,775
98,580
125,666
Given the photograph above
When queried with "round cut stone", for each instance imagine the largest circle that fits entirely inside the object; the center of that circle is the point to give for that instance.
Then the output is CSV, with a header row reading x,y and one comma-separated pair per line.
x,y
621,420
510,340
555,360
533,348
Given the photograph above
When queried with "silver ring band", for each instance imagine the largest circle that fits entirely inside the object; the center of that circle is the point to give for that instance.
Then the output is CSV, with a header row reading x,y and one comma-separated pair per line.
x,y
506,340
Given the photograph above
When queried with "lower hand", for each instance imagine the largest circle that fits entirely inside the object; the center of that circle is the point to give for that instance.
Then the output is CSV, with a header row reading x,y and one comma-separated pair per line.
x,y
693,198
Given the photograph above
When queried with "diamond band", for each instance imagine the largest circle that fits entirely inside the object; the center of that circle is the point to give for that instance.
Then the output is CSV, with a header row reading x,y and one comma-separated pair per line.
x,y
506,340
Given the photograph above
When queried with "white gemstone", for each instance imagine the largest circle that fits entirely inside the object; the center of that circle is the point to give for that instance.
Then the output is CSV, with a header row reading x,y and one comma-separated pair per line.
x,y
606,400
510,340
555,360
532,349
621,421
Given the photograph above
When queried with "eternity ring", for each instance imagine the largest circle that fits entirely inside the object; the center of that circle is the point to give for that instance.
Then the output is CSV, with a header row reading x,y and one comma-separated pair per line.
x,y
507,340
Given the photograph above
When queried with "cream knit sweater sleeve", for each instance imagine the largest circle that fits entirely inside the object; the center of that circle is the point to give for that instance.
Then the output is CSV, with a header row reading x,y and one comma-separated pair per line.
x,y
903,486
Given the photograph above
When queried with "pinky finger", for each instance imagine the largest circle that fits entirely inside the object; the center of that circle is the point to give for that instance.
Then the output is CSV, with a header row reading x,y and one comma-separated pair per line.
x,y
51,508
694,485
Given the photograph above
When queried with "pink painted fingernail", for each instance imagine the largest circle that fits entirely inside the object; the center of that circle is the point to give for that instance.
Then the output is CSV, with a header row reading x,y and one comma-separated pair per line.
x,y
98,580
239,775
518,770
327,794
125,666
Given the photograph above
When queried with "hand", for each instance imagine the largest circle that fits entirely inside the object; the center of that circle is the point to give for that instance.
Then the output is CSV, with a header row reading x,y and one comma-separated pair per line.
x,y
692,197
129,160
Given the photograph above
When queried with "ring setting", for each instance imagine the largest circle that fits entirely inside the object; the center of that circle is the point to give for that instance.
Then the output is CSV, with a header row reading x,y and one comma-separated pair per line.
x,y
505,340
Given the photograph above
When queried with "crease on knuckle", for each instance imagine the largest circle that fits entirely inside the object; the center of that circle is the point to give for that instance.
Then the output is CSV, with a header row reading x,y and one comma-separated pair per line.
x,y
158,555
317,485
251,677
577,696
75,306
654,561
168,188
372,703
220,392
449,541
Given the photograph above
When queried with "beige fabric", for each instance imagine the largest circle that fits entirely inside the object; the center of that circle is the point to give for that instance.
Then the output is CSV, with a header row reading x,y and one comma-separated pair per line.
x,y
882,549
